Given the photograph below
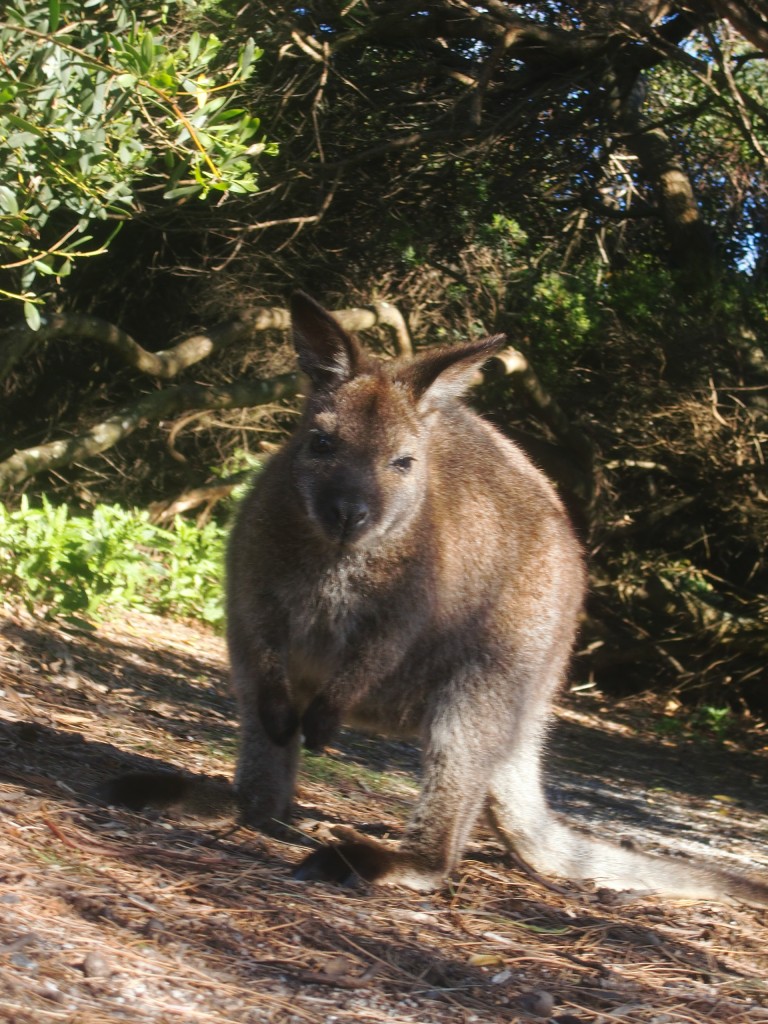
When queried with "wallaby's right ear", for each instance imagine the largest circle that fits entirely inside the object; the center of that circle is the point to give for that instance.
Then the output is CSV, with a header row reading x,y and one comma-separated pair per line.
x,y
327,354
442,375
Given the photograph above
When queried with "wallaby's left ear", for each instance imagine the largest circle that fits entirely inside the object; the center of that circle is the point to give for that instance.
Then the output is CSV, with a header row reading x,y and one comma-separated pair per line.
x,y
442,375
327,354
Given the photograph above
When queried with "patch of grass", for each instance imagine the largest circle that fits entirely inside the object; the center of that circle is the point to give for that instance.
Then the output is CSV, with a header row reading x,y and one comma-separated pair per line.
x,y
78,567
339,772
705,722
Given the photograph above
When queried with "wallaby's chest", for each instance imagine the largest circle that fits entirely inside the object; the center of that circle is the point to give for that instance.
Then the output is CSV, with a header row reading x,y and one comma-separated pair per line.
x,y
320,615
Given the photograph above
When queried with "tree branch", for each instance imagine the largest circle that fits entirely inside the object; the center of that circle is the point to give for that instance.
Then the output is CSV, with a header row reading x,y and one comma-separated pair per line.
x,y
747,19
18,341
160,404
208,495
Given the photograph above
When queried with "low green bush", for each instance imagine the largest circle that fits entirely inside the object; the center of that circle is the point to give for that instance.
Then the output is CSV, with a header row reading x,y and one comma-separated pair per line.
x,y
83,567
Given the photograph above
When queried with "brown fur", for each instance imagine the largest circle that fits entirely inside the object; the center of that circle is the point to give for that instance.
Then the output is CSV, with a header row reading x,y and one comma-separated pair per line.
x,y
401,566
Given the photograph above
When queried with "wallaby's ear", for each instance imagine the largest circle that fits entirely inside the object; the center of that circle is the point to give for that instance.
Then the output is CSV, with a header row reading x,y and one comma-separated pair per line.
x,y
327,354
442,375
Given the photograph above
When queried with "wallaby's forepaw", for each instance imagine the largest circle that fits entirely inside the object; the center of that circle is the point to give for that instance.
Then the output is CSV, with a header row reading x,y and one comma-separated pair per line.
x,y
347,863
320,723
279,718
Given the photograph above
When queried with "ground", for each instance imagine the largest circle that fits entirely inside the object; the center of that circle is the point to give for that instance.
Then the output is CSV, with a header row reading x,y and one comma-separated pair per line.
x,y
106,915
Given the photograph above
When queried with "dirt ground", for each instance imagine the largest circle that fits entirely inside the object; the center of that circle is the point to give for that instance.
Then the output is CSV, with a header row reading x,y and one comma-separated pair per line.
x,y
106,915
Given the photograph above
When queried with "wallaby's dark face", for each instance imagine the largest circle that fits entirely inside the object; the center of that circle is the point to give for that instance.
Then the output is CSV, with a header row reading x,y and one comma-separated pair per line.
x,y
360,463
359,469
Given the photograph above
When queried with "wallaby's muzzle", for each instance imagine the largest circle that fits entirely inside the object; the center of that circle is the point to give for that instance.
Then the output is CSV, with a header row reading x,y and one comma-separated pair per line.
x,y
343,515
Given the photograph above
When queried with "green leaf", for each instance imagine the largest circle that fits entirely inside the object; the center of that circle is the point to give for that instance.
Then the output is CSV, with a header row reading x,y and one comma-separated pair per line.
x,y
194,46
32,316
246,57
42,268
8,200
182,190
24,125
164,81
148,50
54,15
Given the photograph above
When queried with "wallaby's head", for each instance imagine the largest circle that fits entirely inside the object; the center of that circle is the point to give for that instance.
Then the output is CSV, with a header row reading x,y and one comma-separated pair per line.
x,y
361,460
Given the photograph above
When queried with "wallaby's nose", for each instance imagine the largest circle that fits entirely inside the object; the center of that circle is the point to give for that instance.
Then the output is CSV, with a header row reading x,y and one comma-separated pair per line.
x,y
350,515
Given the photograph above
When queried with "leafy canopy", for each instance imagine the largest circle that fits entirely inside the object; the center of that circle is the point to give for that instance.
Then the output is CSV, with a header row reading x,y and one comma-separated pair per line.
x,y
99,109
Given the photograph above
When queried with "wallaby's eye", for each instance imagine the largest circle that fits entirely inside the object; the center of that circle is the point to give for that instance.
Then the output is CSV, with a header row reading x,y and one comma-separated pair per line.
x,y
320,443
403,463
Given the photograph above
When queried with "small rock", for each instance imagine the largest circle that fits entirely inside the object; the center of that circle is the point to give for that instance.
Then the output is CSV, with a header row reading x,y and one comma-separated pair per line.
x,y
538,1002
95,966
51,990
25,962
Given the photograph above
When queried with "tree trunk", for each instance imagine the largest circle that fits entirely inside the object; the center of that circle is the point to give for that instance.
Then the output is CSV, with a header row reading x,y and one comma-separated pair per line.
x,y
690,239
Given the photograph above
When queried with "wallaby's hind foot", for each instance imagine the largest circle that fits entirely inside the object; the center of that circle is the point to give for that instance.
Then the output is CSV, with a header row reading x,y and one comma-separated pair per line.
x,y
345,863
584,859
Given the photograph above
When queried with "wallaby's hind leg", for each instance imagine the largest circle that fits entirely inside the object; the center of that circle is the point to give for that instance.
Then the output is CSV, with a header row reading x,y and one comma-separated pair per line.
x,y
455,772
455,777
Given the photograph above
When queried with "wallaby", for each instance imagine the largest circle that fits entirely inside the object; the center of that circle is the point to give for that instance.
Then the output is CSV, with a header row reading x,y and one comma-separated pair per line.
x,y
401,566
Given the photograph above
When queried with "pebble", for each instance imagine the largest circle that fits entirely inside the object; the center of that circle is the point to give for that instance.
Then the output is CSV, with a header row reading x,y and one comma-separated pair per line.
x,y
539,1002
95,966
25,962
51,990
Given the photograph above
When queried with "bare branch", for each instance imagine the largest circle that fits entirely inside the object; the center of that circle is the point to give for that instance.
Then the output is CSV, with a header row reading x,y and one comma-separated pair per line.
x,y
166,364
160,404
511,362
16,342
743,120
207,495
381,313
246,394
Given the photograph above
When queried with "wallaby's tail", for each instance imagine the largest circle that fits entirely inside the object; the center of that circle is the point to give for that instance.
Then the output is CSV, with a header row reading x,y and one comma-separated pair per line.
x,y
198,796
557,850
551,848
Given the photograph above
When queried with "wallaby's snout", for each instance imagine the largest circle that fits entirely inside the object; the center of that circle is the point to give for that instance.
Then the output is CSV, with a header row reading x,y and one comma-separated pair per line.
x,y
343,510
349,515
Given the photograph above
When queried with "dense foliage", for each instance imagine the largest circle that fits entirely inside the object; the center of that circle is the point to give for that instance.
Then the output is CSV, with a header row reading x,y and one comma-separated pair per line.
x,y
81,567
97,111
590,178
